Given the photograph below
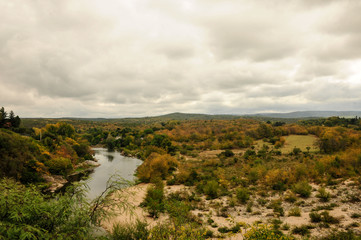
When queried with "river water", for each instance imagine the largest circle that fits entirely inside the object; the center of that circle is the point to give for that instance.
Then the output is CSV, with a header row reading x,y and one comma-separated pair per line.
x,y
111,163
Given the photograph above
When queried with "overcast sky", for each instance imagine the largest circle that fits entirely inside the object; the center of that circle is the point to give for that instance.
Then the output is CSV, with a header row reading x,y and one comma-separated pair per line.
x,y
117,58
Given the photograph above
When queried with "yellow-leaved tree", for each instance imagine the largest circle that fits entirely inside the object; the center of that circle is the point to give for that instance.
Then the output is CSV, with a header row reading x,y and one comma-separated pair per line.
x,y
156,165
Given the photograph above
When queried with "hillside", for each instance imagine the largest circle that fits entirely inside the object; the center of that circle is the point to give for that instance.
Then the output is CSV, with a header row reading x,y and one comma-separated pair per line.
x,y
308,114
20,157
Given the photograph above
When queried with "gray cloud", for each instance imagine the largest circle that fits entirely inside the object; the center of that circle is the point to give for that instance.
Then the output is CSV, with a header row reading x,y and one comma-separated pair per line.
x,y
142,57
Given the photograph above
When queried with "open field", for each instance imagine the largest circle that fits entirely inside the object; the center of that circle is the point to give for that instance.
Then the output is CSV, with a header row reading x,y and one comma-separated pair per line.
x,y
301,142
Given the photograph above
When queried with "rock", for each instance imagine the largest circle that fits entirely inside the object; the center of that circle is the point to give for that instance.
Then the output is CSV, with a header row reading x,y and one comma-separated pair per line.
x,y
92,163
57,182
88,163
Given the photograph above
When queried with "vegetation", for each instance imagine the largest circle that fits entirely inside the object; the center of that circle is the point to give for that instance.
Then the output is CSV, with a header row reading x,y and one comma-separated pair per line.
x,y
26,213
8,120
232,168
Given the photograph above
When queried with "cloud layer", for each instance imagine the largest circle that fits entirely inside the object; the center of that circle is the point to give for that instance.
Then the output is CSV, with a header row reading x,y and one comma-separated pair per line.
x,y
116,58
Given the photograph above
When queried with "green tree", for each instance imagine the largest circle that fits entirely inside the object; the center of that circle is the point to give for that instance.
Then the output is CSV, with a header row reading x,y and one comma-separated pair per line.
x,y
3,116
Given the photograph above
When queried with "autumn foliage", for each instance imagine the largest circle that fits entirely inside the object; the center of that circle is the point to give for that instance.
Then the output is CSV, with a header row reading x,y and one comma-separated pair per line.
x,y
156,166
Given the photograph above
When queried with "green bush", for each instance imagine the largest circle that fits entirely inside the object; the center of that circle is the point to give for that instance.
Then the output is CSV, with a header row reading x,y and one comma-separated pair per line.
x,y
323,195
296,211
242,195
25,213
154,200
341,235
178,210
263,232
303,189
228,153
59,165
301,230
324,217
315,217
290,197
211,189
327,218
136,231
180,232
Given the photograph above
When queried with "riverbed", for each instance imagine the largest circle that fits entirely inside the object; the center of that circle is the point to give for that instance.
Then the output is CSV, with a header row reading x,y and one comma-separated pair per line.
x,y
110,163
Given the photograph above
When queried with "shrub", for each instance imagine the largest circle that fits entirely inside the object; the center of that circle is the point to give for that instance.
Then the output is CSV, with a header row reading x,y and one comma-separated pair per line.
x,y
323,195
135,231
223,230
59,165
290,197
279,210
327,218
264,232
211,189
242,195
296,211
228,153
296,151
303,189
349,235
315,217
154,200
323,217
301,230
178,210
168,230
249,207
276,205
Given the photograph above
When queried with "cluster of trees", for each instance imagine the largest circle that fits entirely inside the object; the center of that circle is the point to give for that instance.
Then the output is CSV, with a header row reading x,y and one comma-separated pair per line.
x,y
62,147
21,157
354,122
53,149
9,120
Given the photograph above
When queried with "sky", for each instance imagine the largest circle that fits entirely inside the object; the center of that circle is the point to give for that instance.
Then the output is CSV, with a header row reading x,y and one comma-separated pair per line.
x,y
132,58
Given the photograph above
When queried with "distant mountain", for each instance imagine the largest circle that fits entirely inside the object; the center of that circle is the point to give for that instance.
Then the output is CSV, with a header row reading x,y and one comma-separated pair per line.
x,y
285,117
308,114
197,116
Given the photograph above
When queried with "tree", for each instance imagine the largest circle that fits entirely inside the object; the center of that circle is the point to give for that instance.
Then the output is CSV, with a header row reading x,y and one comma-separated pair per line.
x,y
3,116
17,122
12,118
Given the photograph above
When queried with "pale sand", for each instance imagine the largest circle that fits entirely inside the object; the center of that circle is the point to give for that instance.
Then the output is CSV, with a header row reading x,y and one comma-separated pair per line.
x,y
135,196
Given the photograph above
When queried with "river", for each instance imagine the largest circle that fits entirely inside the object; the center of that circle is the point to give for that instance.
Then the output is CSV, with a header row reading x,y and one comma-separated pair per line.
x,y
111,163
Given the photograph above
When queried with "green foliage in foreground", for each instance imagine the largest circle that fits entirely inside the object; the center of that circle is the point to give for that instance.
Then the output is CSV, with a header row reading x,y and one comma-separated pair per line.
x,y
27,214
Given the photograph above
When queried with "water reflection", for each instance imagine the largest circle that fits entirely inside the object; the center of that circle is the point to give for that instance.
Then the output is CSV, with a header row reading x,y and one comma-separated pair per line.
x,y
110,158
111,163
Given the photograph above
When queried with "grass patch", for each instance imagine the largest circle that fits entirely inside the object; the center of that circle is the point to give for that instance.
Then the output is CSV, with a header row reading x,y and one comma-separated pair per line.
x,y
301,142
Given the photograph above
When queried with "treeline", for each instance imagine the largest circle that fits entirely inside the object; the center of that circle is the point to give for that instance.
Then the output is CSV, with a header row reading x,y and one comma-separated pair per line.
x,y
334,121
8,120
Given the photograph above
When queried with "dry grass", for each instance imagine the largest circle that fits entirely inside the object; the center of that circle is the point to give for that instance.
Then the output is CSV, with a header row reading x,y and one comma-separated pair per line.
x,y
300,141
